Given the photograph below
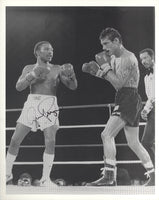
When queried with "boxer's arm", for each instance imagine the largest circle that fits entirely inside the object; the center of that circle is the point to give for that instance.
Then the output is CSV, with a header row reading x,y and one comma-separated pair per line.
x,y
150,92
26,79
68,77
94,69
119,80
113,79
149,105
70,82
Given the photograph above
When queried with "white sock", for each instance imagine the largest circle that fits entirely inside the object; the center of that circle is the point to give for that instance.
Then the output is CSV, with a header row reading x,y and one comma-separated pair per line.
x,y
47,165
9,163
110,162
148,165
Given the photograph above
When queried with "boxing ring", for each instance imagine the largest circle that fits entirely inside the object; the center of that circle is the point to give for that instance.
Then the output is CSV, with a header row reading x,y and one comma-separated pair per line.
x,y
132,189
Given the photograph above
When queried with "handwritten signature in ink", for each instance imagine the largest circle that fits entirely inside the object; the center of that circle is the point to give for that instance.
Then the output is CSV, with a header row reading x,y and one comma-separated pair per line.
x,y
47,113
45,108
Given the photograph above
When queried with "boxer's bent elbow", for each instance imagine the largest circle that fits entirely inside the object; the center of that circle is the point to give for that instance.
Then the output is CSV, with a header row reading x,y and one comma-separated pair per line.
x,y
73,86
19,87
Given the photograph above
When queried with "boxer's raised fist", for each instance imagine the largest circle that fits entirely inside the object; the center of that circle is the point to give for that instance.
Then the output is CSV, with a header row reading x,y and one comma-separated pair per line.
x,y
40,71
67,70
94,69
102,58
91,68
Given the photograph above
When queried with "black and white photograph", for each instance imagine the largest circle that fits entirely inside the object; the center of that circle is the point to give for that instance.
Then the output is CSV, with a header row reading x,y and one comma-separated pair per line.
x,y
79,100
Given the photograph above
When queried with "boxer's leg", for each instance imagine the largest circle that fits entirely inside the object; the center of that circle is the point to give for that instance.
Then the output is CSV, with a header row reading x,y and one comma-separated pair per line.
x,y
113,126
20,132
148,138
132,136
49,153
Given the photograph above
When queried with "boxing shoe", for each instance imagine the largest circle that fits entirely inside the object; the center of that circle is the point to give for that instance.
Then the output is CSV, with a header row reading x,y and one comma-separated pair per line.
x,y
107,179
9,179
151,178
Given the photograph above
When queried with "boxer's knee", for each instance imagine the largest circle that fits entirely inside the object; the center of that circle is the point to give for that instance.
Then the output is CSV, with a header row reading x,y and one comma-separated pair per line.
x,y
50,147
50,136
134,145
15,143
14,146
107,134
49,144
113,126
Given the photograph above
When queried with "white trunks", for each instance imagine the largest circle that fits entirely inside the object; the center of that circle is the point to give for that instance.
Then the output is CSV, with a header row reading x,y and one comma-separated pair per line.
x,y
40,112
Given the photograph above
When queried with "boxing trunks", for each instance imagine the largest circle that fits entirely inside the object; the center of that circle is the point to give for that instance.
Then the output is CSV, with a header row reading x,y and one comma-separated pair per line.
x,y
128,106
39,112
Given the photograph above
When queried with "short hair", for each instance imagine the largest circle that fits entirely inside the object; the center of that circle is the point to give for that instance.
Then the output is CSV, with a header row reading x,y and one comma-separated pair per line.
x,y
38,46
149,51
111,33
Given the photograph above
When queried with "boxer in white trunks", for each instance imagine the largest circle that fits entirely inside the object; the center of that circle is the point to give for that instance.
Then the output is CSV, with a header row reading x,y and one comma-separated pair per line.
x,y
40,111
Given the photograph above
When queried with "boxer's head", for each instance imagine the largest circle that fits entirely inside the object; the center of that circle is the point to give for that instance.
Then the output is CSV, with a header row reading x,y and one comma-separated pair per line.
x,y
25,179
44,50
110,40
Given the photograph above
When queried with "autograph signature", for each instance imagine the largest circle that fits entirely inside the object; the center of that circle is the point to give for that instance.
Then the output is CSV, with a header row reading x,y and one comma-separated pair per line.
x,y
46,114
45,109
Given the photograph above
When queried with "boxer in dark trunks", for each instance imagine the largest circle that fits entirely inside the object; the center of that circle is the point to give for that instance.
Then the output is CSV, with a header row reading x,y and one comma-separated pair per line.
x,y
121,70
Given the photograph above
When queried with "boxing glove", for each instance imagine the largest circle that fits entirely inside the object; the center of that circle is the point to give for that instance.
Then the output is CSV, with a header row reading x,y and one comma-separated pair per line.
x,y
91,68
30,76
94,69
40,71
102,58
67,70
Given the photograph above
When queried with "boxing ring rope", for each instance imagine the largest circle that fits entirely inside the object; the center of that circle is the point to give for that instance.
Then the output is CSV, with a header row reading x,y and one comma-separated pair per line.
x,y
68,145
72,107
78,162
79,126
109,106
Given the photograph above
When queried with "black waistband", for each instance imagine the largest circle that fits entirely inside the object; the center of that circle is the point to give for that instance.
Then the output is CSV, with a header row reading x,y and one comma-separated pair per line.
x,y
128,89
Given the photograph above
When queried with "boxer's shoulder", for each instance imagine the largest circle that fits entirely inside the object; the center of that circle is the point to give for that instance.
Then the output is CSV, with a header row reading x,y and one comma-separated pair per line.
x,y
54,66
28,68
128,58
55,69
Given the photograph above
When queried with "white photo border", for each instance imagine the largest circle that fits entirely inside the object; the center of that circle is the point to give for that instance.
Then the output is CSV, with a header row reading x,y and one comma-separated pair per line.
x,y
3,5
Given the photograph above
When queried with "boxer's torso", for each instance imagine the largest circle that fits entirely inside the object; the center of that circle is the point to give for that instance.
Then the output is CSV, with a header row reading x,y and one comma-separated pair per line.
x,y
48,84
126,68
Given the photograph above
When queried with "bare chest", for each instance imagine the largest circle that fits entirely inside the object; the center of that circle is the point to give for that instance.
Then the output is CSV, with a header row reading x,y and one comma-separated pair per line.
x,y
52,78
49,80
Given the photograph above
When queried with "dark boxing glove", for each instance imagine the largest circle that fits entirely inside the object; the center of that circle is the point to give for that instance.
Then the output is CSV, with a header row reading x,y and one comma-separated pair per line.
x,y
94,69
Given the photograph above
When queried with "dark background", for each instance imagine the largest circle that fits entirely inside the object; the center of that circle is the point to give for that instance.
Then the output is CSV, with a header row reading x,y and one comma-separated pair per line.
x,y
73,32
